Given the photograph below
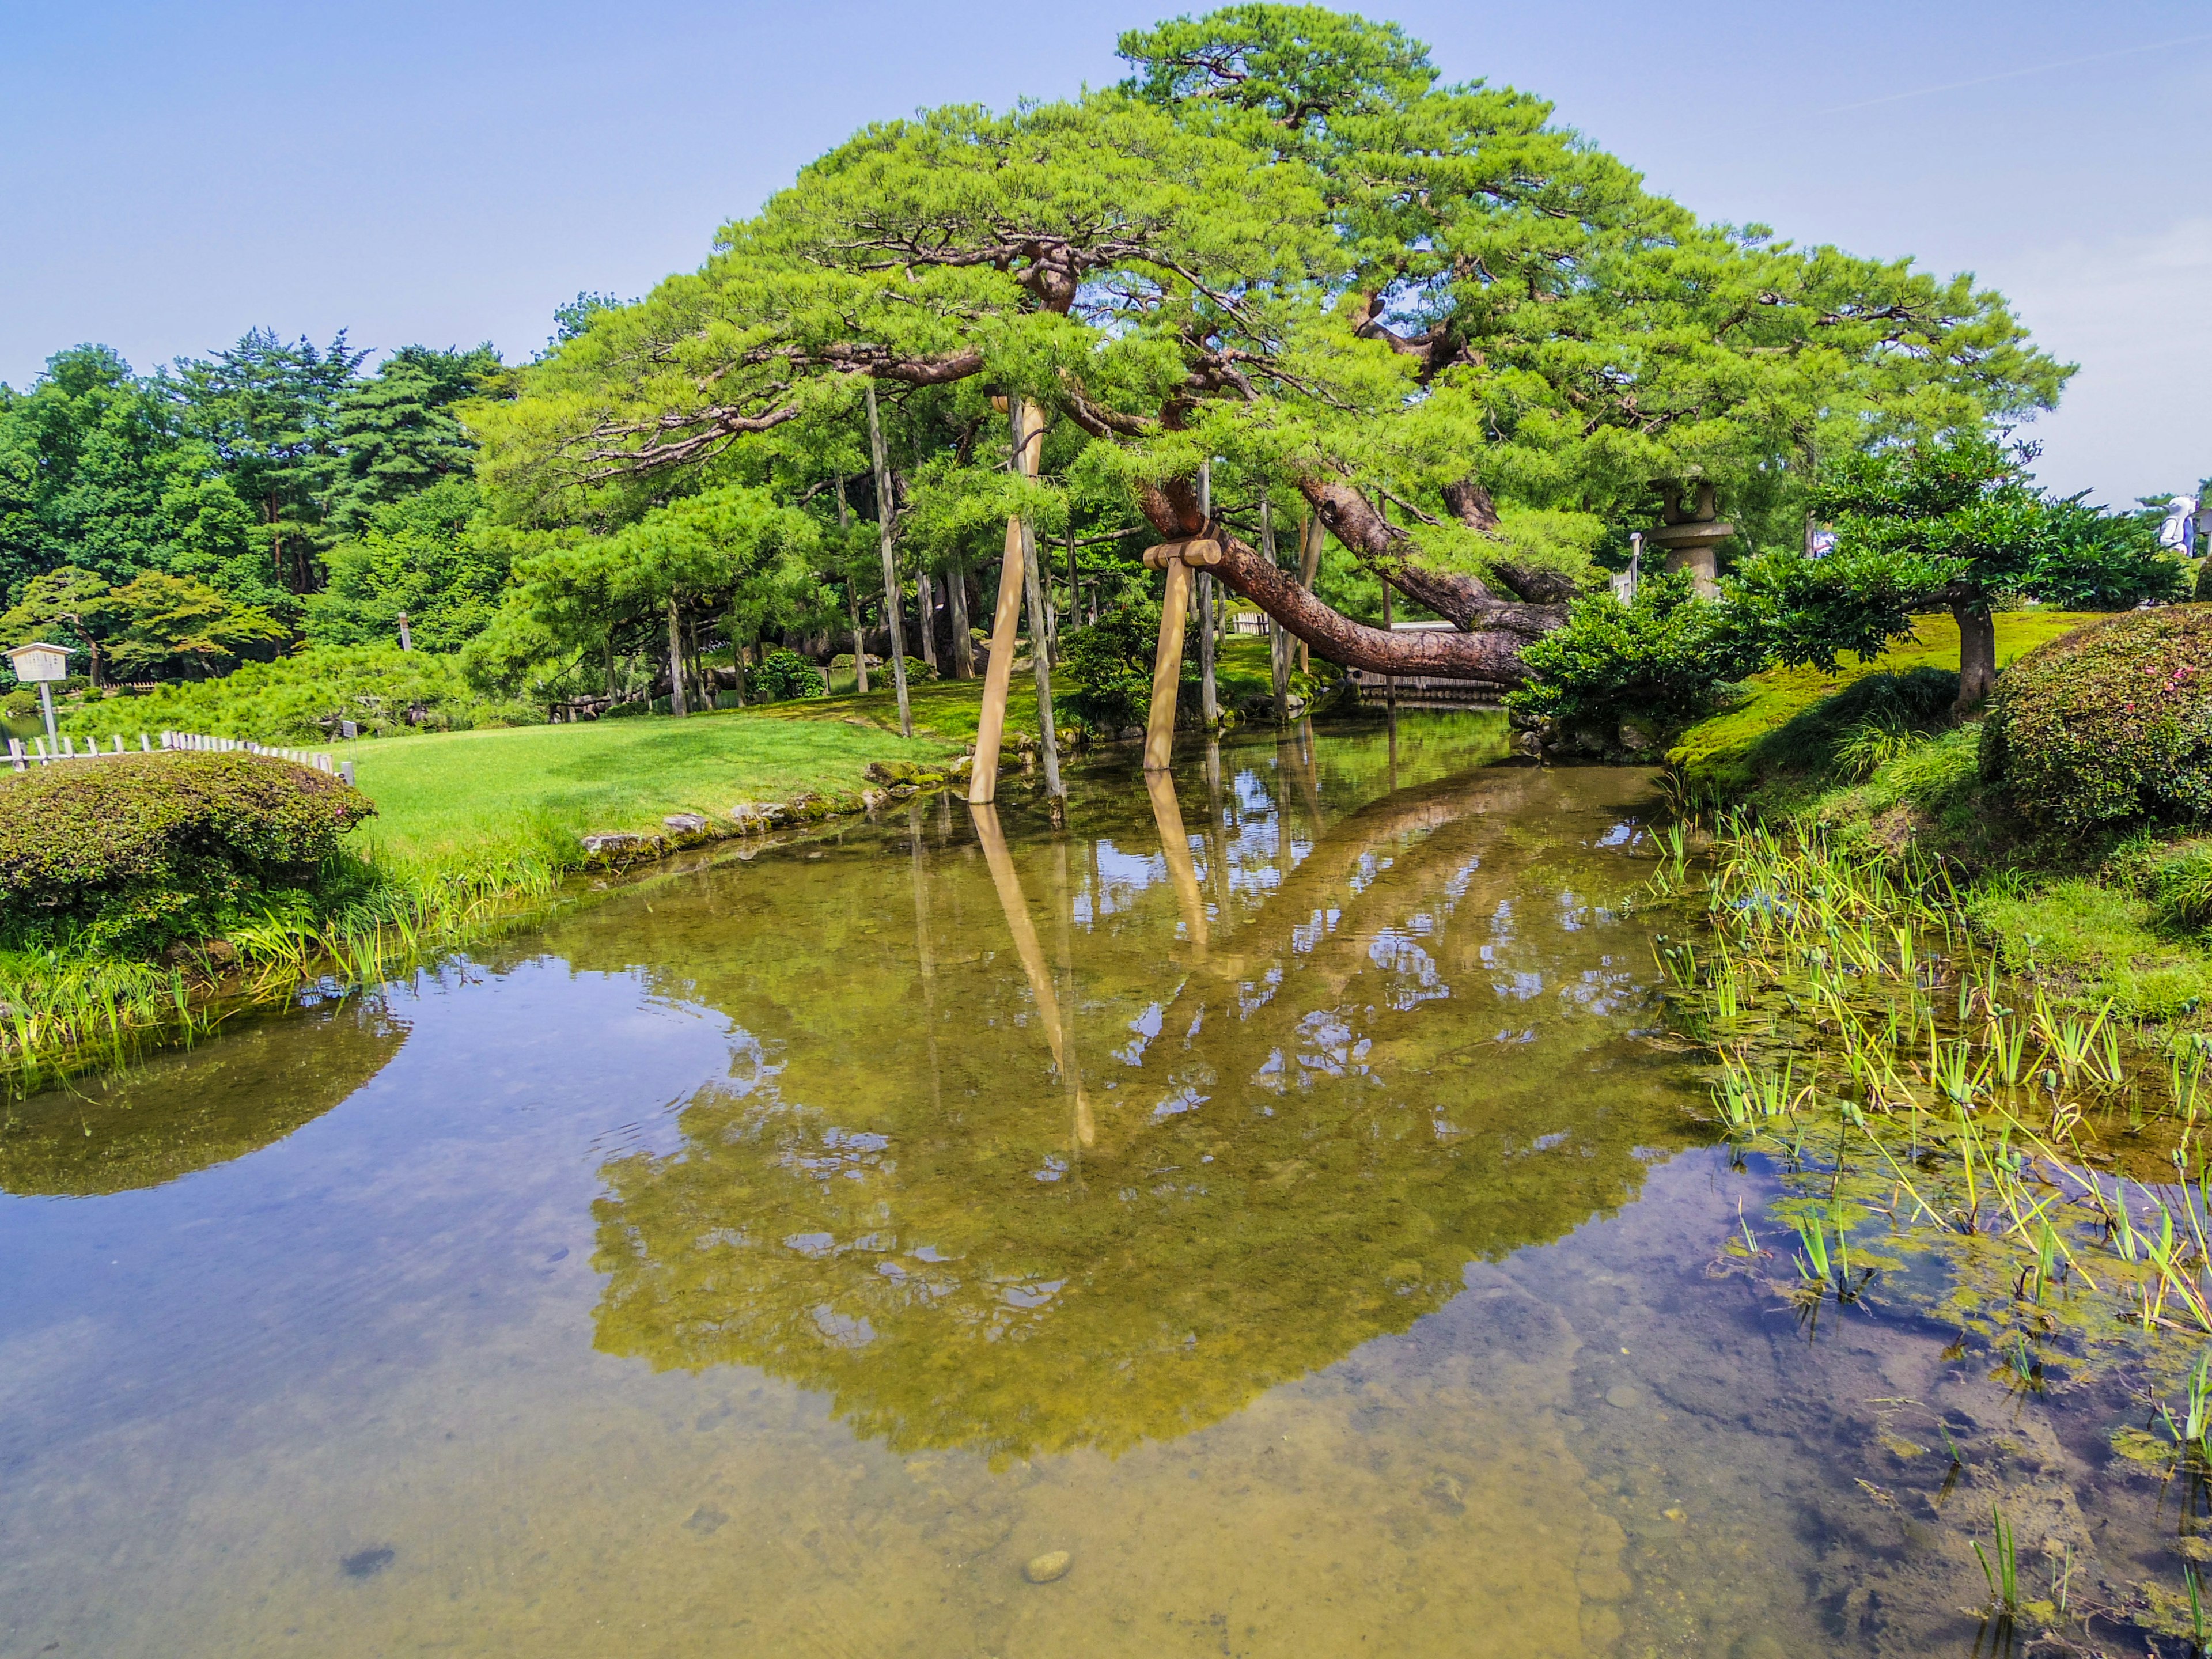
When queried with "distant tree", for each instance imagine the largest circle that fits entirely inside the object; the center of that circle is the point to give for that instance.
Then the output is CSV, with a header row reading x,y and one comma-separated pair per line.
x,y
68,601
424,555
165,624
1951,523
269,410
396,432
86,456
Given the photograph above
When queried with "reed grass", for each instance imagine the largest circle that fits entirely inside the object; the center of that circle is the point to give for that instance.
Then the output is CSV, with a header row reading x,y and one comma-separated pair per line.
x,y
1913,1098
62,1011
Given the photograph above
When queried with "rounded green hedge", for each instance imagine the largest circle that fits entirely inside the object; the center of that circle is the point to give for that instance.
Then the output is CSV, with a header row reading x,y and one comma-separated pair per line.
x,y
137,852
2109,723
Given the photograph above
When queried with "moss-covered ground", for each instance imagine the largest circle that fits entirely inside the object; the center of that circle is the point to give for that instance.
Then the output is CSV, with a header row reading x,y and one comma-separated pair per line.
x,y
2084,917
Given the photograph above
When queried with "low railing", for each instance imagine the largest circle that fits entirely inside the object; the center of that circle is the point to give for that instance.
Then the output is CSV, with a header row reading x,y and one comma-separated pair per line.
x,y
22,759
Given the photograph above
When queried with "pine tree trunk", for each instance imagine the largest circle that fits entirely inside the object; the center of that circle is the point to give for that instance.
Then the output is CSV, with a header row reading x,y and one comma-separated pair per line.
x,y
676,705
1978,653
956,596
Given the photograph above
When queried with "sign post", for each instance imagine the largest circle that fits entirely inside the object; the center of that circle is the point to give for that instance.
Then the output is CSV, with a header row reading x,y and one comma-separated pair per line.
x,y
40,664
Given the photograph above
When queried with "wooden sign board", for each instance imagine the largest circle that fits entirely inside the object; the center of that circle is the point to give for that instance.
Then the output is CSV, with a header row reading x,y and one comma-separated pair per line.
x,y
39,661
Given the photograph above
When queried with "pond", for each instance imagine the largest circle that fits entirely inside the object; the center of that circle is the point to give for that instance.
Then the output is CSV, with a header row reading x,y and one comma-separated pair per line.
x,y
1269,1218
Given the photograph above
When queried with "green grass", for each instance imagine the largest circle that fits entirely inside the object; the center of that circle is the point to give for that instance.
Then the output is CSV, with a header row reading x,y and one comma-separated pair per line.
x,y
1721,753
2092,925
2096,941
452,798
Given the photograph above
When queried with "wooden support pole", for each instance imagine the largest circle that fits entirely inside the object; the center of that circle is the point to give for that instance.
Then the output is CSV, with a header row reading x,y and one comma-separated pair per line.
x,y
675,659
1209,702
1278,639
890,565
1029,444
1167,669
1006,623
991,724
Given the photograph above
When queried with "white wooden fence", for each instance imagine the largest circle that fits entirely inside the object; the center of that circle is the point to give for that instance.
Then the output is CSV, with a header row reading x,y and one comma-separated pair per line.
x,y
38,753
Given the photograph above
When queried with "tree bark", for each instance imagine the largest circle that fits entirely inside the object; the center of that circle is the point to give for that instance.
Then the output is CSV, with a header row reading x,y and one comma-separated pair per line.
x,y
883,475
675,661
1492,657
1978,652
956,599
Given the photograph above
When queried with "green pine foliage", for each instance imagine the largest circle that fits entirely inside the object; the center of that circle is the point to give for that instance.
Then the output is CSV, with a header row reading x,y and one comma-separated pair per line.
x,y
2109,724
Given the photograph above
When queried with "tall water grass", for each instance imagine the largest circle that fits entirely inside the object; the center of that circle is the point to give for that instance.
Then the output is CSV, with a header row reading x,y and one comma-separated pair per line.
x,y
1913,1096
64,1010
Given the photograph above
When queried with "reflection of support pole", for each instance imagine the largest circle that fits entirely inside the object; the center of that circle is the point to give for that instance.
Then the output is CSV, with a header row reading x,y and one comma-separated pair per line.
x,y
1019,923
1072,1067
1167,669
1175,841
1220,828
927,955
1390,726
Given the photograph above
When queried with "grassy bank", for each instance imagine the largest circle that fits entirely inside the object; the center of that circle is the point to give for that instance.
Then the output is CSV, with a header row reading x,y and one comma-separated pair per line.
x,y
477,829
2084,919
450,799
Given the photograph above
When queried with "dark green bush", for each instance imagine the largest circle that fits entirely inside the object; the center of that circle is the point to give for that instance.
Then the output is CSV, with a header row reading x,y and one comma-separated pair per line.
x,y
132,855
1106,669
782,675
1664,658
2109,724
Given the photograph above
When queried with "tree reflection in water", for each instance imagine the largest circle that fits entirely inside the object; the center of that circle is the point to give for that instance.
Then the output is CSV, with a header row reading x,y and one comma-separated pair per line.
x,y
1281,1082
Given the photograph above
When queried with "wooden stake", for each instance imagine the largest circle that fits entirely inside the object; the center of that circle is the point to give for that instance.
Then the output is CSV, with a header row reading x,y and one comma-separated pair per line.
x,y
1167,669
1006,622
675,661
1209,702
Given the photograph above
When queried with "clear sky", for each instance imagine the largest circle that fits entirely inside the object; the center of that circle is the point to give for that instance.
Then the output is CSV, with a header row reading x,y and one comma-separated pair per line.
x,y
172,175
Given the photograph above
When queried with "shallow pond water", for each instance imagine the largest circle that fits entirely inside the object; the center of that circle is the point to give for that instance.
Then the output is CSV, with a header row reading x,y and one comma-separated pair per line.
x,y
1273,1193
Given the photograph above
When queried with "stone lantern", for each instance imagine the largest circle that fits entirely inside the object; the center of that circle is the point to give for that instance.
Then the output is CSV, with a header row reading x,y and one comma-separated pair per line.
x,y
1689,530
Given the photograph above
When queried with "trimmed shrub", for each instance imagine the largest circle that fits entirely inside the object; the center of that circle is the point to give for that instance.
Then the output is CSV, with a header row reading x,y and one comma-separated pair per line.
x,y
134,854
1107,668
1665,658
2109,724
302,698
782,675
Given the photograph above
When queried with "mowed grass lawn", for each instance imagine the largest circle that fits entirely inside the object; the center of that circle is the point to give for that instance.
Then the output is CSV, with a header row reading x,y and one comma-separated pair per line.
x,y
454,796
1718,748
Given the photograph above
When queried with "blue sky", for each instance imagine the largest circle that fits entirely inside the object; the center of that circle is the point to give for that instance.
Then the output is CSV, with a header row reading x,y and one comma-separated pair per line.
x,y
173,175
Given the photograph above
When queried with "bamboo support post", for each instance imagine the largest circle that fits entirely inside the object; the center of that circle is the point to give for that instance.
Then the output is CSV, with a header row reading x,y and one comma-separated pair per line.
x,y
1167,668
998,675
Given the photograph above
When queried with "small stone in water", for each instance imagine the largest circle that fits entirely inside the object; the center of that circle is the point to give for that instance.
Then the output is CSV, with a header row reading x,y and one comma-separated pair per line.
x,y
1043,1569
1622,1394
